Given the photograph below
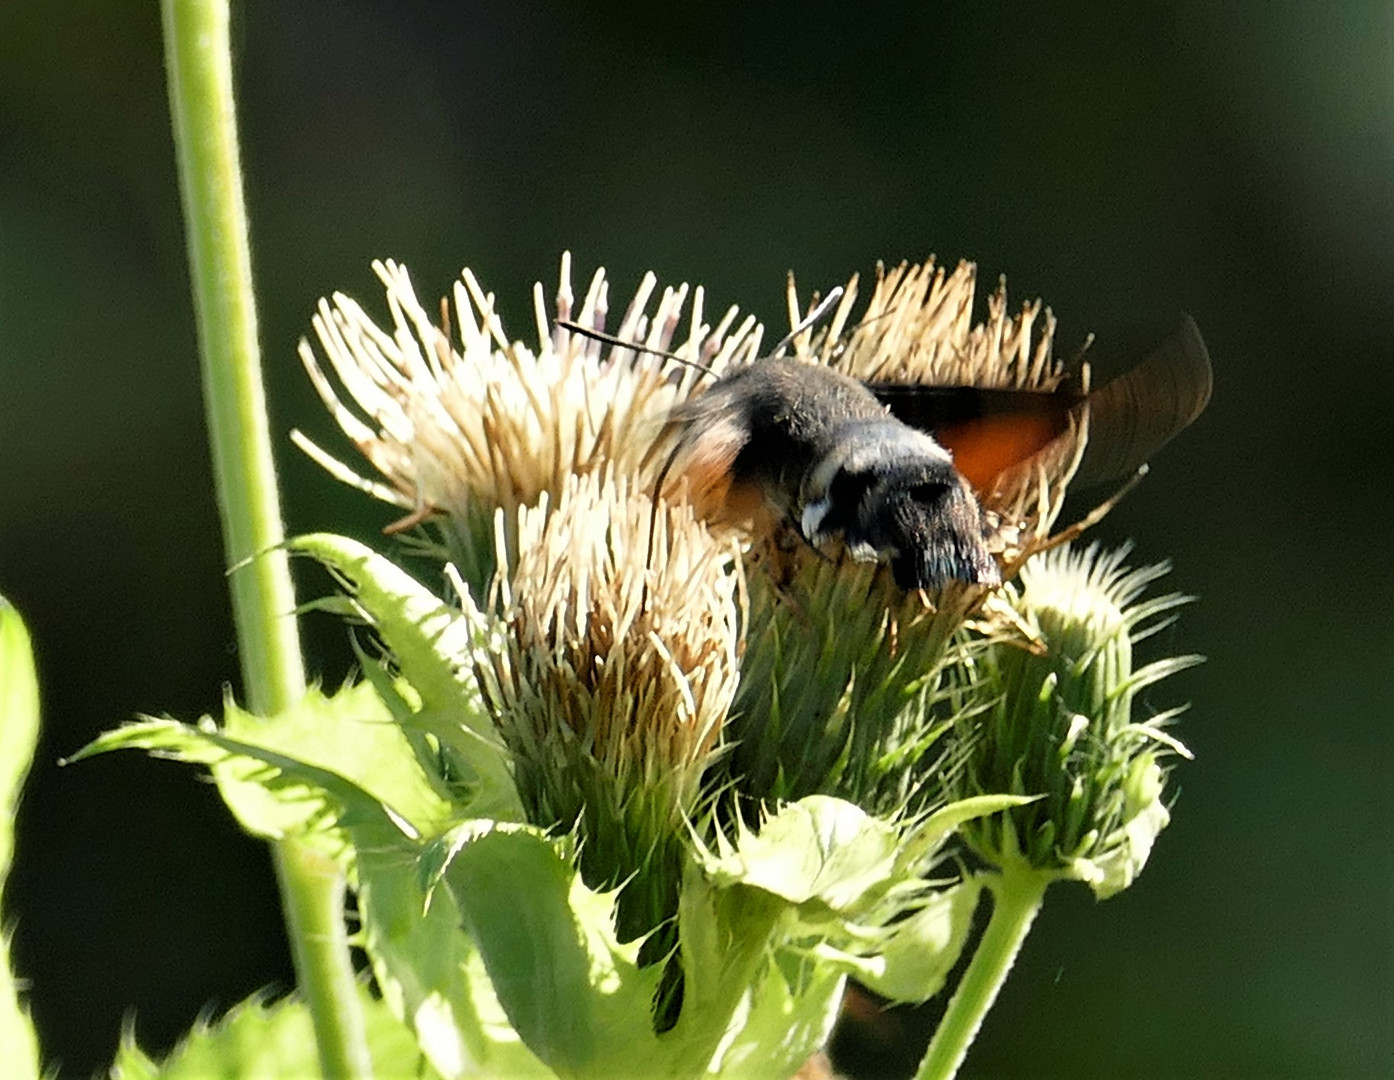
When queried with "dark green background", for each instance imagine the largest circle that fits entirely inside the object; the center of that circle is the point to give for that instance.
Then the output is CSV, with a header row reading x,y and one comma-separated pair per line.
x,y
1124,161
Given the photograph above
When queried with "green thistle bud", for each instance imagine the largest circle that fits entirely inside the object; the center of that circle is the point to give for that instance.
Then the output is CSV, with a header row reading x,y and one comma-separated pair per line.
x,y
836,688
1054,719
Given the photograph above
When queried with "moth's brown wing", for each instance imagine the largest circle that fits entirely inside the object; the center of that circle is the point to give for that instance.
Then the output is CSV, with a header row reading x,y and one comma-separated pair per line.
x,y
1138,413
987,430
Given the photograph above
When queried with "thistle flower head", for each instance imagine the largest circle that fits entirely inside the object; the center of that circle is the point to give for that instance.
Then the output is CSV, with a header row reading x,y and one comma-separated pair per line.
x,y
460,425
612,669
616,644
1057,722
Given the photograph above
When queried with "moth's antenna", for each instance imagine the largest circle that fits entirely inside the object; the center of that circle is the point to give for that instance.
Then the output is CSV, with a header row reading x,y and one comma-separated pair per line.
x,y
813,318
611,339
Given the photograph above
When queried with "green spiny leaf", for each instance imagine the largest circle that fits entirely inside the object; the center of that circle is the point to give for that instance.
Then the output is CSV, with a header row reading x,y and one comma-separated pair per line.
x,y
433,644
270,1041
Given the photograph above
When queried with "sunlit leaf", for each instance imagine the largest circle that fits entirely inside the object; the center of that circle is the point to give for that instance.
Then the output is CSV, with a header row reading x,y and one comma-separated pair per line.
x,y
271,1041
433,645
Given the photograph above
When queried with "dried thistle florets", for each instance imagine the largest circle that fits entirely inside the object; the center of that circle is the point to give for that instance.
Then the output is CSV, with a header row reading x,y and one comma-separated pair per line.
x,y
459,426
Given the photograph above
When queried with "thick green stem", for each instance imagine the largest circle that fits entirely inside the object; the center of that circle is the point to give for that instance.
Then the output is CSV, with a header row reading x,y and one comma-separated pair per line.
x,y
1017,894
199,66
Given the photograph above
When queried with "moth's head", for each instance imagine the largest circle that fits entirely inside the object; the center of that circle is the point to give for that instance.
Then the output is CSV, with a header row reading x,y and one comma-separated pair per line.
x,y
892,494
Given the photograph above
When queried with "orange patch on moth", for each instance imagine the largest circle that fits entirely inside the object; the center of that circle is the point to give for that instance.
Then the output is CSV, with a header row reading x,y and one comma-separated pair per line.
x,y
985,448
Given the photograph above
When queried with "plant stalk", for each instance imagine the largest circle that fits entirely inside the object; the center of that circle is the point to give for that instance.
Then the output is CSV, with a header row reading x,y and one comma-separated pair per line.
x,y
1017,894
199,68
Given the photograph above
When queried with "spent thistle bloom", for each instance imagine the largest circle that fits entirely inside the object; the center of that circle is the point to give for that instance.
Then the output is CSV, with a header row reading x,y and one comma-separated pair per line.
x,y
460,427
611,670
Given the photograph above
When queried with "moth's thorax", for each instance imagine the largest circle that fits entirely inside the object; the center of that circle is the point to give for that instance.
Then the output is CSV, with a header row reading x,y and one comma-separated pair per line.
x,y
881,445
752,436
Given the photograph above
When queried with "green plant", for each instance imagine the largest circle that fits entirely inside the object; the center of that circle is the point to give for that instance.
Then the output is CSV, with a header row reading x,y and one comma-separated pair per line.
x,y
621,792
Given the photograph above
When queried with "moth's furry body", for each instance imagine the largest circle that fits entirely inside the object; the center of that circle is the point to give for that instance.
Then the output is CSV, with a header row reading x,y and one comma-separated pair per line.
x,y
803,443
